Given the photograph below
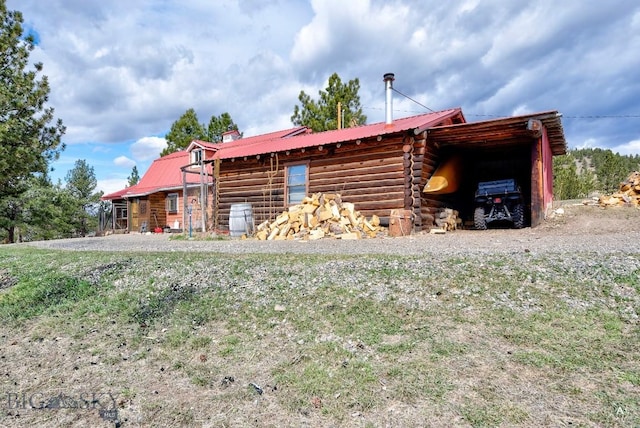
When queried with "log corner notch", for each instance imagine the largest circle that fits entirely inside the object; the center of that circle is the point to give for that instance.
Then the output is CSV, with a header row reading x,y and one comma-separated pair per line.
x,y
535,127
427,155
413,151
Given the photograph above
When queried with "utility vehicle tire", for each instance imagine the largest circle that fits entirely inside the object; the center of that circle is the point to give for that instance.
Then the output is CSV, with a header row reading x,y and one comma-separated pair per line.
x,y
479,222
518,216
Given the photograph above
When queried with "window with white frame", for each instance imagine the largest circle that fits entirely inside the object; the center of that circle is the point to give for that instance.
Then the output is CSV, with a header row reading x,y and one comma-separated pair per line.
x,y
196,156
296,183
121,211
172,203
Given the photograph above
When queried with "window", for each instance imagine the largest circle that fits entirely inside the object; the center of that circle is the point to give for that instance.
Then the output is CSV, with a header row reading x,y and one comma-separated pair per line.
x,y
172,203
296,183
121,212
196,156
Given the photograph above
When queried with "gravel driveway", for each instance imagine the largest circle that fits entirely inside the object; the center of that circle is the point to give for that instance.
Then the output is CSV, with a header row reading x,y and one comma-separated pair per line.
x,y
579,229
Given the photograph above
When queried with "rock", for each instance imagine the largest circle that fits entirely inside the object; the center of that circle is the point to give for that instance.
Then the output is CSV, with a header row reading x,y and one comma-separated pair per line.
x,y
257,388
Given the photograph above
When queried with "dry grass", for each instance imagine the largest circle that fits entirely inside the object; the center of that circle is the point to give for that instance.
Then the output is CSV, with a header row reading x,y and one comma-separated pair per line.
x,y
284,340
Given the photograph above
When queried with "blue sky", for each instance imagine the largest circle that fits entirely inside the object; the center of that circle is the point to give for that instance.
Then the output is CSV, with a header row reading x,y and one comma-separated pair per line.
x,y
122,72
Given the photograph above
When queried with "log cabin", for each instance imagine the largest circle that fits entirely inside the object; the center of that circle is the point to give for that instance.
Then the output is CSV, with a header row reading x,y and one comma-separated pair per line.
x,y
378,167
385,166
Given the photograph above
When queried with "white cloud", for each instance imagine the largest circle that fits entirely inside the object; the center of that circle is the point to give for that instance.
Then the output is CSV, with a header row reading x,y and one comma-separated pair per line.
x,y
111,185
630,148
521,110
121,70
588,143
124,162
148,148
354,37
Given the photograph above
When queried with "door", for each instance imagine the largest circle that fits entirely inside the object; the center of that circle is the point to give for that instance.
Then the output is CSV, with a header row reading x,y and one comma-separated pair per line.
x,y
134,221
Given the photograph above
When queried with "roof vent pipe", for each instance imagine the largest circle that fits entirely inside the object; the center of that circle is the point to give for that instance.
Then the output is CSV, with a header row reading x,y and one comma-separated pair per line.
x,y
388,80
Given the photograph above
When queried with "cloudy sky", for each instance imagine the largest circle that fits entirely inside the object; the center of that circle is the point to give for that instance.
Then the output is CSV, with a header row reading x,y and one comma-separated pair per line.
x,y
122,71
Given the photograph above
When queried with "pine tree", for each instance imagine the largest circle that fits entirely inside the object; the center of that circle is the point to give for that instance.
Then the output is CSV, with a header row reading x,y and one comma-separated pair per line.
x,y
183,131
134,178
81,184
30,138
322,115
218,125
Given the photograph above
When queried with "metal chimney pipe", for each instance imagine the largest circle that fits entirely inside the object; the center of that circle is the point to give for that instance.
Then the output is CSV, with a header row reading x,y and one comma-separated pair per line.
x,y
388,80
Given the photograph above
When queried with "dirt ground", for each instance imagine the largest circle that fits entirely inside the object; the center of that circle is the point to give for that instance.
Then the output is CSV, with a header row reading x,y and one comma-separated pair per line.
x,y
574,217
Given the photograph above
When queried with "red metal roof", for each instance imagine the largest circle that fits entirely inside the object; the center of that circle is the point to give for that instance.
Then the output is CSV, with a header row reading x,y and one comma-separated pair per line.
x,y
163,174
285,133
115,195
265,144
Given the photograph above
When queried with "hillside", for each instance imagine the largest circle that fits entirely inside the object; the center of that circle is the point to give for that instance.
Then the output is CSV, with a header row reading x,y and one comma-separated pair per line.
x,y
582,172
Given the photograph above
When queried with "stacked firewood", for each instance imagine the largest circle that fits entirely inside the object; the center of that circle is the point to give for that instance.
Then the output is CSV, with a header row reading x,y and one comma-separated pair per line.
x,y
320,215
447,219
629,193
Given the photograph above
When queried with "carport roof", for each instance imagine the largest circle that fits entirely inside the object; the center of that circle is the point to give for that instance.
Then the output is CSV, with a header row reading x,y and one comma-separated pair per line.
x,y
501,132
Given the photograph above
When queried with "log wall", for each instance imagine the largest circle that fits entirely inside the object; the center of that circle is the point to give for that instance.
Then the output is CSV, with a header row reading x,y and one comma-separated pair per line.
x,y
418,153
429,204
370,174
254,181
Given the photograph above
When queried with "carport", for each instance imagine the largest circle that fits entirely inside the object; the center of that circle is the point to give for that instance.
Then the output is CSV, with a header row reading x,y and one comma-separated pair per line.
x,y
520,147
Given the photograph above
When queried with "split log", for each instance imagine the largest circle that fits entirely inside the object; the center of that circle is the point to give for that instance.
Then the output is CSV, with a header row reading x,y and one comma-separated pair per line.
x,y
318,216
447,219
628,194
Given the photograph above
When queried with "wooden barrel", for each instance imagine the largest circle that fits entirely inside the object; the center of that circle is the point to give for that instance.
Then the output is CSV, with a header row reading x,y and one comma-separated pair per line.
x,y
241,219
400,223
